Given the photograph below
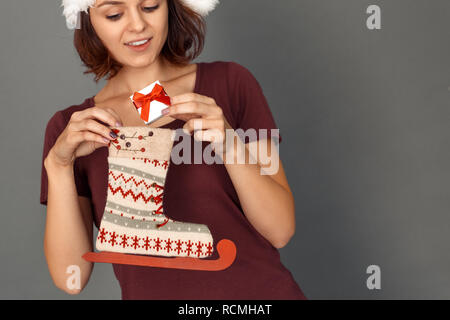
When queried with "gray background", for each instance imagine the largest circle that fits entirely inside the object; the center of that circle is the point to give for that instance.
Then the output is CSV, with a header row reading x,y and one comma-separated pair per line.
x,y
364,117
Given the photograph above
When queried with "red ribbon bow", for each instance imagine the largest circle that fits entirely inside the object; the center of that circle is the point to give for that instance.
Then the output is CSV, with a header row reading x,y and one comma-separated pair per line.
x,y
143,100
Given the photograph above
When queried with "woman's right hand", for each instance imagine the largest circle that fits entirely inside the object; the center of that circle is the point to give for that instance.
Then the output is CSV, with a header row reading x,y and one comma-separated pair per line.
x,y
83,134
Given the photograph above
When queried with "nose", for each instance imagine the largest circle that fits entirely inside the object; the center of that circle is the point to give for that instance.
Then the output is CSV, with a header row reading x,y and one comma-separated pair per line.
x,y
137,23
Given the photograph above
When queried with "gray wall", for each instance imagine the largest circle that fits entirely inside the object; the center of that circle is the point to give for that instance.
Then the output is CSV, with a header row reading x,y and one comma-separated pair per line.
x,y
364,117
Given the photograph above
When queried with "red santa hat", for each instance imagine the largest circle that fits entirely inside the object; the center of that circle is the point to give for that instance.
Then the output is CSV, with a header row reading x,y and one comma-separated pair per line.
x,y
72,8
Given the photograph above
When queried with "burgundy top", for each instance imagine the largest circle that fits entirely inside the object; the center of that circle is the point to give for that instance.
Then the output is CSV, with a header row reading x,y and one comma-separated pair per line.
x,y
199,193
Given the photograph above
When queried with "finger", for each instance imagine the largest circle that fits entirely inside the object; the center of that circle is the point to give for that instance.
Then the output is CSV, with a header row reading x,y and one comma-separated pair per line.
x,y
92,145
197,108
191,96
93,126
78,137
211,135
119,122
99,145
203,124
95,113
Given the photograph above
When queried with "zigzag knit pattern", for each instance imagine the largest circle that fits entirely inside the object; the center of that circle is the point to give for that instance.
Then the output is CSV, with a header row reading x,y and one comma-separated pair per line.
x,y
133,220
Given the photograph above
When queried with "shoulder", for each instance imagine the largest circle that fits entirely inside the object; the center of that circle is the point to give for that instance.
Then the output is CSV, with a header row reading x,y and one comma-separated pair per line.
x,y
228,78
229,68
60,118
67,112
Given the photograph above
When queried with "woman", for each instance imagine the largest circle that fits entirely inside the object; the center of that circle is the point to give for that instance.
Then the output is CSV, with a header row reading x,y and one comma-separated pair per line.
x,y
113,42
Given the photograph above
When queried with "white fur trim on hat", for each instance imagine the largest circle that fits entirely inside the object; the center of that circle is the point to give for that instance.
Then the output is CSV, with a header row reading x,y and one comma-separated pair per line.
x,y
72,8
202,7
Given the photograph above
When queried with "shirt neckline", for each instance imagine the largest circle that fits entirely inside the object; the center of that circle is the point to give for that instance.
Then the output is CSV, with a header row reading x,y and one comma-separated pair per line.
x,y
197,87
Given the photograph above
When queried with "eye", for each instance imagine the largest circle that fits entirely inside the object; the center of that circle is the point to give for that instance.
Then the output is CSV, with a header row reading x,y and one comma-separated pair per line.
x,y
114,17
151,9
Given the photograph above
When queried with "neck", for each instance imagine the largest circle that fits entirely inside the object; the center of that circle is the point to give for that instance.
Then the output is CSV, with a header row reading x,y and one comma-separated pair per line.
x,y
129,79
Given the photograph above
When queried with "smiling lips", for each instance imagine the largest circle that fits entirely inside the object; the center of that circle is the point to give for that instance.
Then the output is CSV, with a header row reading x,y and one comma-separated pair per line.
x,y
139,45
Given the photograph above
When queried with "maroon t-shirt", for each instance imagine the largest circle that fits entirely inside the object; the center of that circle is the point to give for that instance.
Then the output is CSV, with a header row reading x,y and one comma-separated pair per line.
x,y
196,193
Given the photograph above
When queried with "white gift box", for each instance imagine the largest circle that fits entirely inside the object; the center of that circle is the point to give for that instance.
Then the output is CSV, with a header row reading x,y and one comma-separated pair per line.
x,y
155,106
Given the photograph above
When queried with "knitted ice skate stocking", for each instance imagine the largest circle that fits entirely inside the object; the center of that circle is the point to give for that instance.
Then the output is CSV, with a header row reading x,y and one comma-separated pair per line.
x,y
133,220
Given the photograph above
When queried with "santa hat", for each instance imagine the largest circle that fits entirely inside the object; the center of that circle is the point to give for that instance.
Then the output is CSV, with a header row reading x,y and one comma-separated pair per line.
x,y
73,8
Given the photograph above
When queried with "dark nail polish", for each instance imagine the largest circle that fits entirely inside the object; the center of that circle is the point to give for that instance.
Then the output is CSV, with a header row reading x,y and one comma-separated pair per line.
x,y
113,134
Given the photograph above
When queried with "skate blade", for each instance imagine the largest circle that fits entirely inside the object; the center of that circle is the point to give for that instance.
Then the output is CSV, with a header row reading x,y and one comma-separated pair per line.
x,y
225,248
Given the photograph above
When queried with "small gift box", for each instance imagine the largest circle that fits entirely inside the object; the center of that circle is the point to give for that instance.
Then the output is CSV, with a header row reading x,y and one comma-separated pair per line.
x,y
150,101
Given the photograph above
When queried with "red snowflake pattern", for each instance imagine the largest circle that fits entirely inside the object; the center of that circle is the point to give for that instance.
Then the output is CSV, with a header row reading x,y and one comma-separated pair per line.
x,y
199,249
178,248
146,243
168,246
157,244
194,249
124,239
189,248
136,242
112,239
102,234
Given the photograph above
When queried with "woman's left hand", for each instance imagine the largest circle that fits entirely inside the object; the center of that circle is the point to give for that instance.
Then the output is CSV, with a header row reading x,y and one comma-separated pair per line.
x,y
201,114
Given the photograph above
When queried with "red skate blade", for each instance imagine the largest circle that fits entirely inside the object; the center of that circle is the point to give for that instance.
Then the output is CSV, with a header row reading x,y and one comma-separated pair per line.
x,y
226,249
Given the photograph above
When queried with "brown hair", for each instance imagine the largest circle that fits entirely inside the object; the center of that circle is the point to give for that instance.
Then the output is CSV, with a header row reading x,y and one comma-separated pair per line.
x,y
187,31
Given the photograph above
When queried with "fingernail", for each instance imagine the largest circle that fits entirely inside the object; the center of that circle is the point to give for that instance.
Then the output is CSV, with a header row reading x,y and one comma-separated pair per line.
x,y
113,134
106,140
118,124
165,111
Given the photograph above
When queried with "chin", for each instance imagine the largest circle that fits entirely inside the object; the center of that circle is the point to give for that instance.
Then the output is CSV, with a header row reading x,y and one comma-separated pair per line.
x,y
140,62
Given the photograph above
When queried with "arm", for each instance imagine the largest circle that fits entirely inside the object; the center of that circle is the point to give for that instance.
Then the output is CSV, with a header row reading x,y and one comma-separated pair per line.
x,y
68,229
270,205
266,199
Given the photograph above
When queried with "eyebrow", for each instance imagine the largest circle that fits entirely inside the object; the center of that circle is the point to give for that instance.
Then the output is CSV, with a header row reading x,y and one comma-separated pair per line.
x,y
111,3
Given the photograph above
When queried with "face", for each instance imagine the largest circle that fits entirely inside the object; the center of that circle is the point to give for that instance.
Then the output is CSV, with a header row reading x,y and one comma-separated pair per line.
x,y
124,27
